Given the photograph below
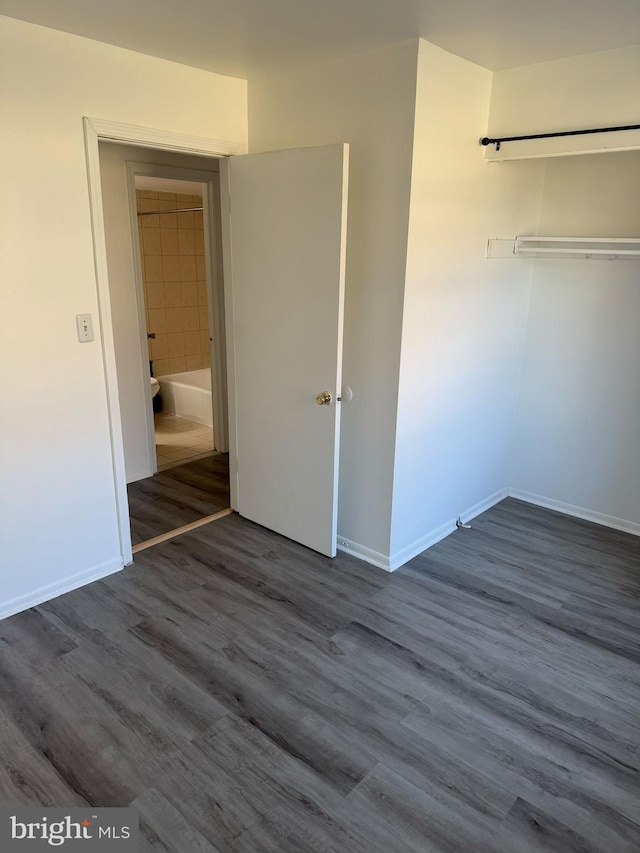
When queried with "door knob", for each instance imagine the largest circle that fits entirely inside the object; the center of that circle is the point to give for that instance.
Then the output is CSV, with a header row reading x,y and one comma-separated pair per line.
x,y
324,399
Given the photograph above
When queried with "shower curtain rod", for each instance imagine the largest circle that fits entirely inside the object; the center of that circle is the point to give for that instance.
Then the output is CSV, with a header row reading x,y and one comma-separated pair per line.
x,y
160,212
488,141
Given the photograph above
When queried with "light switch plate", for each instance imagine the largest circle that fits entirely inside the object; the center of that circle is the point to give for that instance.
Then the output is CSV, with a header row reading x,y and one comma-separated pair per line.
x,y
85,328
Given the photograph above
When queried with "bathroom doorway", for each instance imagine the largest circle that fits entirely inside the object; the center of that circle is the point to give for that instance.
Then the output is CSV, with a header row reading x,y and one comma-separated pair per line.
x,y
192,476
170,224
163,256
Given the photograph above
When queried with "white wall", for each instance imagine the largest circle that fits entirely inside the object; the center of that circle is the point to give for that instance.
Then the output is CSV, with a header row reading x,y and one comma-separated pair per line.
x,y
58,510
464,316
131,360
366,100
594,90
577,431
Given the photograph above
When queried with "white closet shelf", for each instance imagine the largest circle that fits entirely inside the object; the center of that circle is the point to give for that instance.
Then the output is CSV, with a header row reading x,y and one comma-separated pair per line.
x,y
534,246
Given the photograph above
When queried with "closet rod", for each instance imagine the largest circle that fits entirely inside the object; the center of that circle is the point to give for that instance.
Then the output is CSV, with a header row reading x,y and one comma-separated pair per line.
x,y
486,140
160,212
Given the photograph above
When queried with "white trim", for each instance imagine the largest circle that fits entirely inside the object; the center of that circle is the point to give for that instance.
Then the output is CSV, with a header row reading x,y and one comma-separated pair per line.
x,y
215,307
146,137
106,336
138,475
227,276
612,521
94,130
46,593
368,555
138,278
401,557
395,561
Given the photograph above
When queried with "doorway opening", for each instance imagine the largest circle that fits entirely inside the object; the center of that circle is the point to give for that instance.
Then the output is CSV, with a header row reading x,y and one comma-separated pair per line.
x,y
170,227
189,483
162,228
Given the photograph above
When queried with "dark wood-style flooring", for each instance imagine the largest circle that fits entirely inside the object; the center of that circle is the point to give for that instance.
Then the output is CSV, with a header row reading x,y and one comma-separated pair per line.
x,y
178,496
245,694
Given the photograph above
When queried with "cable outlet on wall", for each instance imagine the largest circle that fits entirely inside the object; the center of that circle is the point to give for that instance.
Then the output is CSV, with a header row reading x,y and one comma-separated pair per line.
x,y
85,328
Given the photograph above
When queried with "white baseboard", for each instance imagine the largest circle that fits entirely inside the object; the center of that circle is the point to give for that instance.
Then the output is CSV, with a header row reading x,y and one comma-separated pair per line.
x,y
139,475
46,593
433,537
375,558
395,561
577,511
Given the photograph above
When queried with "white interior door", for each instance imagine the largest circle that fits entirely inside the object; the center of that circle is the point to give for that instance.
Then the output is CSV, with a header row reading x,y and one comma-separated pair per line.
x,y
284,291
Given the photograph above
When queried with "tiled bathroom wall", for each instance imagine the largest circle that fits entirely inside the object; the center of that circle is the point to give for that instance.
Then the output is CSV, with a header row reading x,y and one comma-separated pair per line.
x,y
174,273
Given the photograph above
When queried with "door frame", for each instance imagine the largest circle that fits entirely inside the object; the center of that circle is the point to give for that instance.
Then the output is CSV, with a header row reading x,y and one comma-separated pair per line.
x,y
109,131
215,294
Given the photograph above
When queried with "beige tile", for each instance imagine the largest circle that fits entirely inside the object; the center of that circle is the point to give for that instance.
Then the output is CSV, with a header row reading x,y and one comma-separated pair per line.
x,y
167,196
205,447
186,244
183,453
184,199
189,439
203,435
152,268
157,320
175,321
189,293
176,344
146,194
203,318
147,204
192,344
187,267
162,460
198,242
194,362
198,217
160,347
170,443
151,244
161,367
173,423
178,365
155,296
201,268
205,343
171,268
185,220
173,294
169,241
202,293
168,220
149,221
191,319
206,358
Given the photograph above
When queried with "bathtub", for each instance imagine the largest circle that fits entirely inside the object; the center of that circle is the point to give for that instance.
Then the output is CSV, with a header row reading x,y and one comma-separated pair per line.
x,y
188,395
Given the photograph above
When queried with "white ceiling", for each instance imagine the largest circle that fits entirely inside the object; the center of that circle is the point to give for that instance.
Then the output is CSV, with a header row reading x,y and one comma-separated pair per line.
x,y
241,38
